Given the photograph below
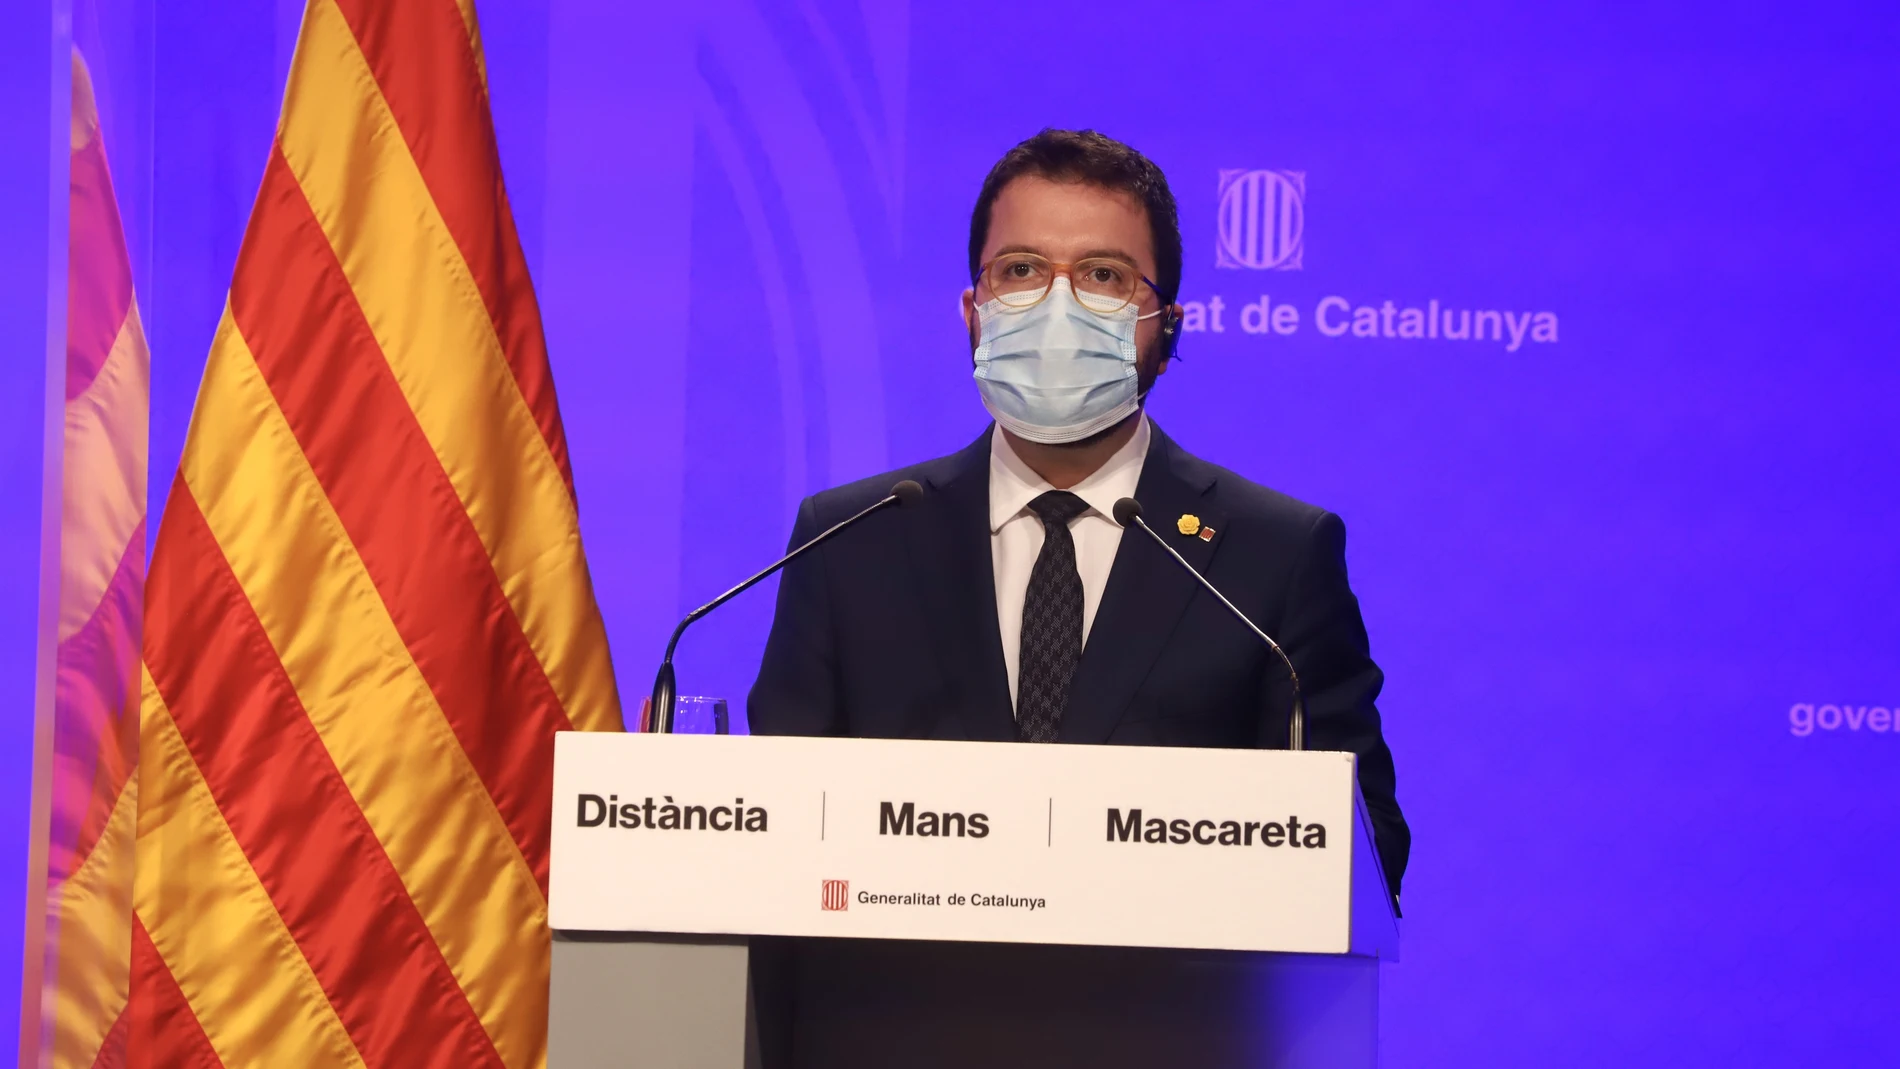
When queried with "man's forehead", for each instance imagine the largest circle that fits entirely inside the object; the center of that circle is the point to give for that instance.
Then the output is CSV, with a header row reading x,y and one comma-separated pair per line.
x,y
1070,218
1035,192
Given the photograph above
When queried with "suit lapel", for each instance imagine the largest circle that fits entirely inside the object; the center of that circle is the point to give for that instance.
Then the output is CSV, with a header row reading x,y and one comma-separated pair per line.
x,y
1146,592
949,542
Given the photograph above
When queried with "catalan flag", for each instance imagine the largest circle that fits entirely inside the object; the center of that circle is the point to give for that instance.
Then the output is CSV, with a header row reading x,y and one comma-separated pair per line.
x,y
368,612
91,793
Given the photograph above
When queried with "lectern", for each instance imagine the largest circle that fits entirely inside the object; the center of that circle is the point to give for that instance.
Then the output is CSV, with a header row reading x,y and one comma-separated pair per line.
x,y
766,903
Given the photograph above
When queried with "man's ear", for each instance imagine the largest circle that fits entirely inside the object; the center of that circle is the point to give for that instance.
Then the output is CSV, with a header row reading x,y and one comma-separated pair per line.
x,y
1170,334
969,314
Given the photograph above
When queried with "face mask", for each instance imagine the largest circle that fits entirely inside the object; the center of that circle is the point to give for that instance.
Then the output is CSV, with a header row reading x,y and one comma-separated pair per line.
x,y
1056,372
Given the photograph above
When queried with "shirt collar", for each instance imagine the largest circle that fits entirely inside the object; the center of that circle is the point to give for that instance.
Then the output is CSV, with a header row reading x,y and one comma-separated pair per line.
x,y
1013,485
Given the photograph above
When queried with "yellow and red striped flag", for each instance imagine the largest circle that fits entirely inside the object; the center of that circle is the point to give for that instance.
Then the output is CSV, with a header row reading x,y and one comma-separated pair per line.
x,y
368,612
91,793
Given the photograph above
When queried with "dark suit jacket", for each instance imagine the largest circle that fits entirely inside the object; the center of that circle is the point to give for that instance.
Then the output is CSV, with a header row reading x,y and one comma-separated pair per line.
x,y
889,631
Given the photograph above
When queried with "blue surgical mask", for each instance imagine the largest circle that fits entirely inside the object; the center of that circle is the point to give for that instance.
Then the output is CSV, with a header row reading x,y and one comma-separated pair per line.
x,y
1057,372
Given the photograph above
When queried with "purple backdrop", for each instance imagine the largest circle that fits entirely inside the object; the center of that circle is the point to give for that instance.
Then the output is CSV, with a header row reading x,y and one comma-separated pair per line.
x,y
1630,565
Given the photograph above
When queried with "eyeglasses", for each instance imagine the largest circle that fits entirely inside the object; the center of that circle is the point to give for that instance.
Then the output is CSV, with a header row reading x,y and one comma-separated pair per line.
x,y
1102,285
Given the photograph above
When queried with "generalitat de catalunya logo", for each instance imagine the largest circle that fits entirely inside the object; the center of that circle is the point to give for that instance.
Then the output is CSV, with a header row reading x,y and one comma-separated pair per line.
x,y
1260,225
836,896
1261,220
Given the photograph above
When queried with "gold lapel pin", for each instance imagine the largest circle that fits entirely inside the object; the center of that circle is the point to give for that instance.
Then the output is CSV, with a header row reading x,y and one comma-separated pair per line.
x,y
1188,524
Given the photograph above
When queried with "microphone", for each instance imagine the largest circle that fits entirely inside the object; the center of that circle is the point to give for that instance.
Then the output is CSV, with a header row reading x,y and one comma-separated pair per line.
x,y
1128,514
660,708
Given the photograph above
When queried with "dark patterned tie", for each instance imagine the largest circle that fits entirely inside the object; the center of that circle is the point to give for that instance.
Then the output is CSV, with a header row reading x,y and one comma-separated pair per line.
x,y
1052,622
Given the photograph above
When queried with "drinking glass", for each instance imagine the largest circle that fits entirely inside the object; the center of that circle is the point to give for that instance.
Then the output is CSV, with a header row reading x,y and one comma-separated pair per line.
x,y
700,716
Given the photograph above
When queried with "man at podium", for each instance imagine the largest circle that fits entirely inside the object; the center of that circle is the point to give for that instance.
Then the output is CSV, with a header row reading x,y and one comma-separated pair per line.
x,y
1007,603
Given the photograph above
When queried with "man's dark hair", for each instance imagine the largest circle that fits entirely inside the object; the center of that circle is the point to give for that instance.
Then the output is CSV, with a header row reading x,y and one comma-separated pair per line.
x,y
1097,160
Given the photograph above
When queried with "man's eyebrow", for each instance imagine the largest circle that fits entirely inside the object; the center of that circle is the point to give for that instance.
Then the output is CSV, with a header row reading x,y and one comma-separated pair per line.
x,y
1109,254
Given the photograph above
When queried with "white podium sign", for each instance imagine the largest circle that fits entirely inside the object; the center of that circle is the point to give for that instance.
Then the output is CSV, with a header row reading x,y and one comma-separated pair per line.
x,y
996,842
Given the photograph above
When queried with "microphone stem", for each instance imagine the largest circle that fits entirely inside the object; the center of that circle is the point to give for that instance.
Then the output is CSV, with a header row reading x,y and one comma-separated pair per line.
x,y
660,708
1296,730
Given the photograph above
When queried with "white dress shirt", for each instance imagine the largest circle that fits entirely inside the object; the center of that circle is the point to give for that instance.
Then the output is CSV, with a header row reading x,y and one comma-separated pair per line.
x,y
1016,533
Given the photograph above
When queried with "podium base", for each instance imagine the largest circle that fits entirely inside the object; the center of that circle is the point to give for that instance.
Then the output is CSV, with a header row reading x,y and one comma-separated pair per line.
x,y
624,999
669,1002
862,1004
